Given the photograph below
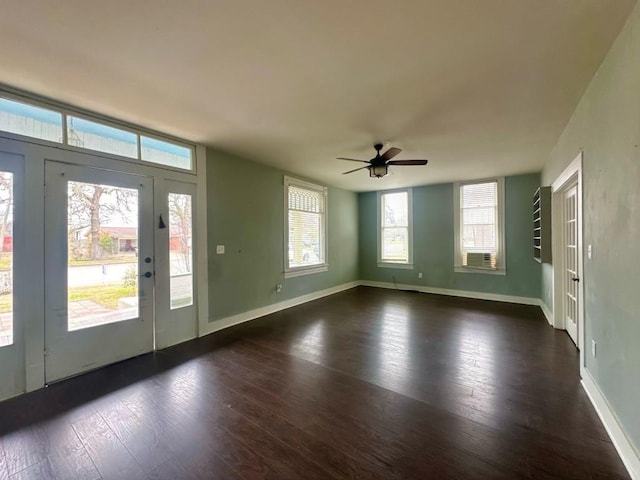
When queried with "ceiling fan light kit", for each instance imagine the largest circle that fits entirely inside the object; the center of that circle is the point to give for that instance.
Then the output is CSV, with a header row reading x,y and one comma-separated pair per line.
x,y
379,165
379,171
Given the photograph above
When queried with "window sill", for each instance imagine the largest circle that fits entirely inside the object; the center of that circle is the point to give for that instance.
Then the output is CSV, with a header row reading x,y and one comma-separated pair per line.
x,y
407,266
300,271
485,271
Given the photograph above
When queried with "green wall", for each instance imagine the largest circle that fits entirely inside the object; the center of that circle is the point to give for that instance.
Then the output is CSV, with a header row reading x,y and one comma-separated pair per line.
x,y
606,125
245,213
433,242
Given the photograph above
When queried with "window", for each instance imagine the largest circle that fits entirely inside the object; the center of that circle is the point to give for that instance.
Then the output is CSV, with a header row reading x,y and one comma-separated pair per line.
x,y
180,250
305,219
96,136
6,257
395,240
37,122
165,153
479,231
23,119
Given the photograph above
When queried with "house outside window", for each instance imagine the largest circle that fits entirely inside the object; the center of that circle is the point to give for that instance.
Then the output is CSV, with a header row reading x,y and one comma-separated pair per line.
x,y
305,228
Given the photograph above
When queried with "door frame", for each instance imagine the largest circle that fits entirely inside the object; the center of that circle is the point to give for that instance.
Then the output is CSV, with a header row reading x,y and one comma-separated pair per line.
x,y
572,175
12,356
70,352
181,324
35,153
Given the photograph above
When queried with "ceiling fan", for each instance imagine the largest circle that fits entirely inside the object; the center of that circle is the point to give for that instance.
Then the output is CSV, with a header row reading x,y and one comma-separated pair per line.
x,y
379,165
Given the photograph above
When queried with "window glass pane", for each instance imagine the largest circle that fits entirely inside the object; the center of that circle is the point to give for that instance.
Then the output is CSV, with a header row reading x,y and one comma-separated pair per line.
x,y
102,272
23,119
165,153
306,226
96,136
395,210
6,259
395,244
305,239
180,250
479,228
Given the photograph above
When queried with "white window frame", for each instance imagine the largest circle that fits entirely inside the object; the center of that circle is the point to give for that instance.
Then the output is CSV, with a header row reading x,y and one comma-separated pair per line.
x,y
388,263
501,267
290,272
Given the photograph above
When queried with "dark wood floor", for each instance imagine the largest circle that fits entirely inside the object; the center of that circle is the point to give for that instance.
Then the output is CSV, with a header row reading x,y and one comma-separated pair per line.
x,y
365,384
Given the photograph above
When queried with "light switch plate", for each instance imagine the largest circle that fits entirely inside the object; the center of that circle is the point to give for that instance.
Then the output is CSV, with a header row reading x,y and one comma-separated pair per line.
x,y
220,249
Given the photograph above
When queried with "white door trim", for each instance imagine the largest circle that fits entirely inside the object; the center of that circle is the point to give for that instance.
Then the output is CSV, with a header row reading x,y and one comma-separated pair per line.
x,y
572,174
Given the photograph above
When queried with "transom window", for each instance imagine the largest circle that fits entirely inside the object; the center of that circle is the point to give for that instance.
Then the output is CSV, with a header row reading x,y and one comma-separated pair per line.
x,y
306,206
395,229
479,224
62,127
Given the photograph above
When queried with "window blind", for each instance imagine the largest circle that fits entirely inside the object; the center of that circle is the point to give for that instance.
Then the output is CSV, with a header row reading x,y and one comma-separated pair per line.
x,y
306,221
479,227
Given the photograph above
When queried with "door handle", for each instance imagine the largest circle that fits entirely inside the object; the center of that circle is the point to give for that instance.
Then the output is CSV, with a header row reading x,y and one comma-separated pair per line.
x,y
147,274
576,279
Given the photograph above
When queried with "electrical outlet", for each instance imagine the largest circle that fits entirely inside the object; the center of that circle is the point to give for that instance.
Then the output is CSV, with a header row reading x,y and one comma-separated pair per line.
x,y
420,275
220,249
593,348
278,288
589,252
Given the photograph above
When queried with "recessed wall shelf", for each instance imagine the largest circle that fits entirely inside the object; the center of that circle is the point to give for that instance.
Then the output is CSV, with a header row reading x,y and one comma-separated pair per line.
x,y
542,225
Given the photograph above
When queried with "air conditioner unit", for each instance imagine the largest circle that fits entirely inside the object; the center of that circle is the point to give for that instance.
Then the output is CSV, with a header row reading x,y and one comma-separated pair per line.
x,y
482,260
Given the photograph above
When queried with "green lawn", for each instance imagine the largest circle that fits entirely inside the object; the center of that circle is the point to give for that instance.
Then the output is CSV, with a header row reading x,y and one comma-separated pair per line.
x,y
107,296
6,302
5,260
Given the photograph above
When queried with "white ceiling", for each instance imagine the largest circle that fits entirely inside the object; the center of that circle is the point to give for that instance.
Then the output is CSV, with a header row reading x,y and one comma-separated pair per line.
x,y
479,87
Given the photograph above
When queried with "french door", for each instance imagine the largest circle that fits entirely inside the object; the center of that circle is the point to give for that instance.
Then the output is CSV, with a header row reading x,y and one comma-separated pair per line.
x,y
99,268
12,280
571,272
175,304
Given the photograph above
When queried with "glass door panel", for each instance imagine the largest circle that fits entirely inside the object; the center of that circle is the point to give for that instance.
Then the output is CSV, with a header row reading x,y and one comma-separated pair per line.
x,y
180,250
175,305
99,281
102,261
6,258
13,273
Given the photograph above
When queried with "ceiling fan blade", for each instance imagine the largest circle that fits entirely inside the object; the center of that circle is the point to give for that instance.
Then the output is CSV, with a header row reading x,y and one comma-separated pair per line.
x,y
355,170
352,160
407,162
389,154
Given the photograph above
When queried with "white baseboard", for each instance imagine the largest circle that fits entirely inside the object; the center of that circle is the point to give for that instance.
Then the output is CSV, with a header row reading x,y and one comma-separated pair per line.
x,y
620,441
222,323
547,313
456,293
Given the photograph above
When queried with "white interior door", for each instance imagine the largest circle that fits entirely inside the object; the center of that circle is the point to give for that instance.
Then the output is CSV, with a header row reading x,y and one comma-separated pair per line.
x,y
12,275
99,268
176,310
571,264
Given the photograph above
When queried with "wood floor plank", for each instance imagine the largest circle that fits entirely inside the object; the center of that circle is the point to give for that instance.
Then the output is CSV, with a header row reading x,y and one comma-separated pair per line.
x,y
24,448
67,457
109,455
364,384
4,472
